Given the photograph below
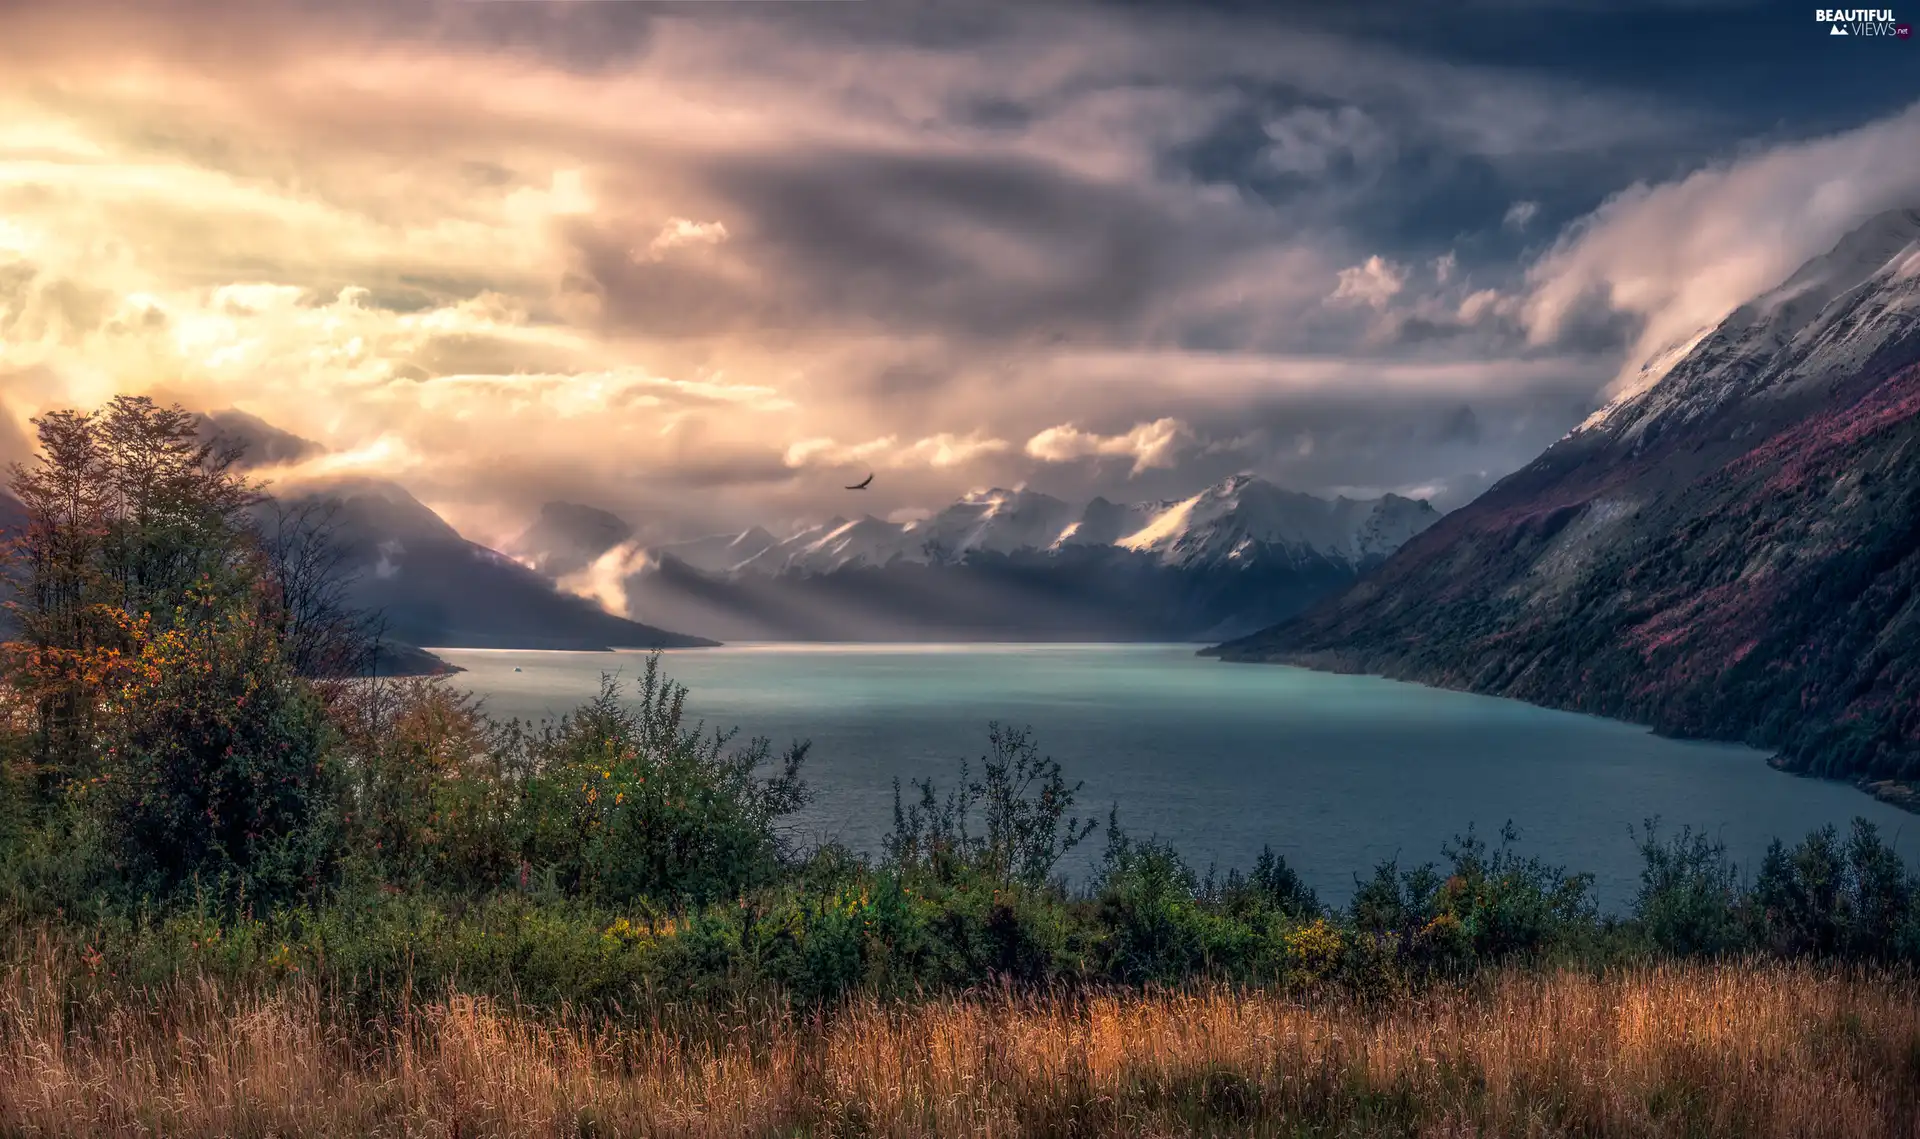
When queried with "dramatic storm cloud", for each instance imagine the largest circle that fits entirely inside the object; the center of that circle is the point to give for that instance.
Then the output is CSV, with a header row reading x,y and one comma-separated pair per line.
x,y
705,264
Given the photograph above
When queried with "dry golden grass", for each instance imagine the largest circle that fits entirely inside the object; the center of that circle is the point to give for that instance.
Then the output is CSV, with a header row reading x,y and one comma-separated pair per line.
x,y
1760,1050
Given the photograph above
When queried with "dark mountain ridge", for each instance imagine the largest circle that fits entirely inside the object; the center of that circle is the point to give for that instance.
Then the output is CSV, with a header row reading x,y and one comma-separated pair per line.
x,y
13,516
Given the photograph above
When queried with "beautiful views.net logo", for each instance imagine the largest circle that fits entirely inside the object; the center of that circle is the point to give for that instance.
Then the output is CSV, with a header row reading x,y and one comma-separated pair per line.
x,y
1862,22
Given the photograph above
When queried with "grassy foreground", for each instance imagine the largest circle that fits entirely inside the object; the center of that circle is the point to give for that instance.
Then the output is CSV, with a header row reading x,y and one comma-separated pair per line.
x,y
1753,1049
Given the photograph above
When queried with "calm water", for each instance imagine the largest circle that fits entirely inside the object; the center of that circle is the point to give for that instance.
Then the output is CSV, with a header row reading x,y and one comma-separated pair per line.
x,y
1336,772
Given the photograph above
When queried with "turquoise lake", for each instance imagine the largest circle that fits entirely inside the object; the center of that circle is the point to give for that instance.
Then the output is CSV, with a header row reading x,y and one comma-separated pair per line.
x,y
1337,773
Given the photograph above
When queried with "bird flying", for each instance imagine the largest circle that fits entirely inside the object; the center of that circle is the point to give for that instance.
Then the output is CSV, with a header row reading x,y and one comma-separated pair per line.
x,y
862,484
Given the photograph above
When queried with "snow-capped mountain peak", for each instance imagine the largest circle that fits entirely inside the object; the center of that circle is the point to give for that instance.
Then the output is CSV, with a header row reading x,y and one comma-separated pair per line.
x,y
996,521
1243,514
721,553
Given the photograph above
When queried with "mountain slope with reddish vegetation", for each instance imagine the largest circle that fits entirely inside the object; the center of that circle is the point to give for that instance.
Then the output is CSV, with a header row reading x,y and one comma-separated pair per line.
x,y
1733,553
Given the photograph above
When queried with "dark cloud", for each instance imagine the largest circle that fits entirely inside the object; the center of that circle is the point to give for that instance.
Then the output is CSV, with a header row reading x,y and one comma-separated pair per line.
x,y
994,113
1462,426
1592,324
982,246
456,354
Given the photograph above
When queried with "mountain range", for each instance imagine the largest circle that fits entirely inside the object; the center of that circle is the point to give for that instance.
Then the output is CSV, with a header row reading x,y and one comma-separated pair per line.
x,y
997,564
1731,549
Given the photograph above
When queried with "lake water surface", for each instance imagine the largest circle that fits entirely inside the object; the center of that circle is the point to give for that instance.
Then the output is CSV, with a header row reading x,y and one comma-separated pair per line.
x,y
1335,772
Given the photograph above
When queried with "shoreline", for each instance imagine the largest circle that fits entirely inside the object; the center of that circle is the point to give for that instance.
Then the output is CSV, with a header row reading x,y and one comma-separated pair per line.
x,y
1895,793
1892,792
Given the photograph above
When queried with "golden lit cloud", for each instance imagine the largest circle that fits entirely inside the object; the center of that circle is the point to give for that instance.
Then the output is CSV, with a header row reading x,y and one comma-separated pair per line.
x,y
937,452
1156,444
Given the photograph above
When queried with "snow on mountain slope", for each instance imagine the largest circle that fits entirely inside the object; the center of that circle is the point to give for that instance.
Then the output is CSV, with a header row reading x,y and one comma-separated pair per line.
x,y
1832,316
1389,522
996,521
1241,518
1652,371
868,541
1104,523
835,544
1236,518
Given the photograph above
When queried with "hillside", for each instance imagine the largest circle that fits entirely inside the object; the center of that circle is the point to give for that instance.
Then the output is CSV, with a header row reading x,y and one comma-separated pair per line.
x,y
1732,551
436,589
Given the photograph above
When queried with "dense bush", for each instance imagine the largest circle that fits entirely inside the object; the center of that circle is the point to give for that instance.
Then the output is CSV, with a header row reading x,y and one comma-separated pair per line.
x,y
1271,888
1153,912
428,801
625,800
1690,903
218,769
1825,898
1023,828
621,802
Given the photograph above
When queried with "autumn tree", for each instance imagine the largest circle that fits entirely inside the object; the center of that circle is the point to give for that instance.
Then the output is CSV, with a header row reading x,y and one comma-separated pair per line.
x,y
57,561
176,507
220,770
160,658
127,510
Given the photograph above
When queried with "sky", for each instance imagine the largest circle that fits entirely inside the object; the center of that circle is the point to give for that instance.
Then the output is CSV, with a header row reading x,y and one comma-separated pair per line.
x,y
702,264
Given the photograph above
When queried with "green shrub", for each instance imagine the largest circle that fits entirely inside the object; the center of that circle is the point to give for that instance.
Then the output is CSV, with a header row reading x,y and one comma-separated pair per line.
x,y
1508,906
1492,906
1024,828
1149,910
1395,903
1829,899
1272,888
626,801
219,768
1689,903
429,799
